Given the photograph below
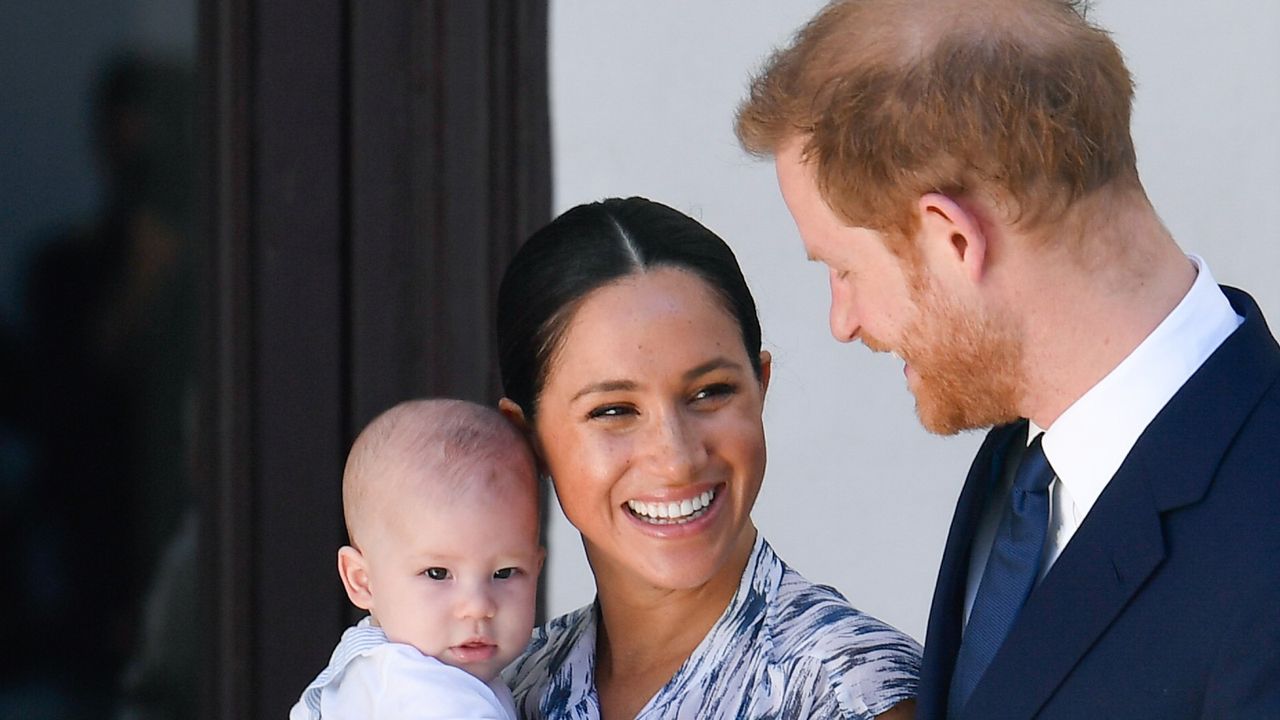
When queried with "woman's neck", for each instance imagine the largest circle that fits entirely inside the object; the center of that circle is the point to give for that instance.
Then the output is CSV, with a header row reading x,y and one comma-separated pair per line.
x,y
646,633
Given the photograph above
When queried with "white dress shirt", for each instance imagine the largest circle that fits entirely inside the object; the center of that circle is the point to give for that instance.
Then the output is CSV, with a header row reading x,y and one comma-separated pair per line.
x,y
1090,440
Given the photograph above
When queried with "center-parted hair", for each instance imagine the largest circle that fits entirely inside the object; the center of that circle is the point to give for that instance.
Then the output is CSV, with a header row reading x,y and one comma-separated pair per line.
x,y
589,247
1023,101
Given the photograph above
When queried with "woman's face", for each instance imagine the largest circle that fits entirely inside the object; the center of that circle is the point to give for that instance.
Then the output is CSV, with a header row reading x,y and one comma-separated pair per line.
x,y
649,422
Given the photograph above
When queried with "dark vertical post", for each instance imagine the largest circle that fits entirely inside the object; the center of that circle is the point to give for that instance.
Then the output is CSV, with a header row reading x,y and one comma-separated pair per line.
x,y
299,281
276,378
374,165
450,161
223,446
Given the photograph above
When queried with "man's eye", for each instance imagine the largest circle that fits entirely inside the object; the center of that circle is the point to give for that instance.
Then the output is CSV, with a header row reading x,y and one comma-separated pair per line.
x,y
505,573
437,573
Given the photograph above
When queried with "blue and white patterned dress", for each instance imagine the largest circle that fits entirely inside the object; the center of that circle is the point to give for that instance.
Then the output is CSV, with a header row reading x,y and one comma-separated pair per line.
x,y
784,648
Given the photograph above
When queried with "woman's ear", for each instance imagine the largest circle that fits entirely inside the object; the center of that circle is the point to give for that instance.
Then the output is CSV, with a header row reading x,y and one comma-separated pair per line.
x,y
513,412
355,577
766,370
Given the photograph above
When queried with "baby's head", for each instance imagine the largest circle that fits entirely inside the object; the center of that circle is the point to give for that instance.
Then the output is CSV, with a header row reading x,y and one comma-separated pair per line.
x,y
440,498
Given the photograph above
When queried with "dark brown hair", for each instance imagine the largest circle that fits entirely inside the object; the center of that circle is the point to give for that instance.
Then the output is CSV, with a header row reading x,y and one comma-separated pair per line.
x,y
591,246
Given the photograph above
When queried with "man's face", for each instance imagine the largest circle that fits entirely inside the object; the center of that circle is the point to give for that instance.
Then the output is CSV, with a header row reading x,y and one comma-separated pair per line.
x,y
962,362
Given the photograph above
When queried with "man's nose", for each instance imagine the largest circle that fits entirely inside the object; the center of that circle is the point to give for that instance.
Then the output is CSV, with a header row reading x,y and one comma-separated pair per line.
x,y
843,318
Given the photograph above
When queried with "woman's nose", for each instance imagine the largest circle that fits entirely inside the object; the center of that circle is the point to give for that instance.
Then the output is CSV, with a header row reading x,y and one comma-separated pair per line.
x,y
676,450
843,318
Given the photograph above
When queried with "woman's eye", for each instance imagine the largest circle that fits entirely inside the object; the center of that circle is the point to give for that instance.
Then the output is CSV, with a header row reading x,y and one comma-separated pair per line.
x,y
437,573
505,573
713,391
611,411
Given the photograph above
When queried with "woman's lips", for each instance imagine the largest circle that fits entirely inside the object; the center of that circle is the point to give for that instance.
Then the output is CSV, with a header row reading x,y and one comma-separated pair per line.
x,y
674,512
687,515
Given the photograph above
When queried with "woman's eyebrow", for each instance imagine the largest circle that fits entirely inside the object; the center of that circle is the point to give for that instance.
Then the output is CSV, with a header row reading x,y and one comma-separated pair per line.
x,y
712,364
625,385
605,386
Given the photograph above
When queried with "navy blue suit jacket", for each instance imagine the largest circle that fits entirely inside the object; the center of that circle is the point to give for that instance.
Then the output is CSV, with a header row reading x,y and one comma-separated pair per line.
x,y
1166,602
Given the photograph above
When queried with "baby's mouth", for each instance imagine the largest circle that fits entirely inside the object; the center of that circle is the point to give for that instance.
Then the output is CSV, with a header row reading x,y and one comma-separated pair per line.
x,y
673,512
475,650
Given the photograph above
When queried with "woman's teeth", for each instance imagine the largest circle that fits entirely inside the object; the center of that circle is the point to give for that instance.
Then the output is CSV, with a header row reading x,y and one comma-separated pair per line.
x,y
672,513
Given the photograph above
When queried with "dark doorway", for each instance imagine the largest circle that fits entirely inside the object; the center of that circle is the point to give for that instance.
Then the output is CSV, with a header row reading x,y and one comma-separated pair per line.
x,y
376,165
234,232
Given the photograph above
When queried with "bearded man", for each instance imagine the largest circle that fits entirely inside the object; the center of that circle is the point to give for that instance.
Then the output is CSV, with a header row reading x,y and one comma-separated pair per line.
x,y
965,170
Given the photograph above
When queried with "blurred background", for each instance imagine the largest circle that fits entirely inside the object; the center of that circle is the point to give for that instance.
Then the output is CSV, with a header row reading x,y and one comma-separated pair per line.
x,y
232,231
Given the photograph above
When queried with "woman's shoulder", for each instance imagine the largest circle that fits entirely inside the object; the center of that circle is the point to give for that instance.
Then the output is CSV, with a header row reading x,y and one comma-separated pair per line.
x,y
552,650
815,626
808,618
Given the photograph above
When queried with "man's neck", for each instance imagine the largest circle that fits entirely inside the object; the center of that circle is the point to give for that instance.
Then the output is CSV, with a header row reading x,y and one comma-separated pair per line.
x,y
1082,319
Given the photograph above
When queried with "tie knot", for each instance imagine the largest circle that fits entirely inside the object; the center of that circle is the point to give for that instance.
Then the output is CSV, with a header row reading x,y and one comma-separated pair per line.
x,y
1034,471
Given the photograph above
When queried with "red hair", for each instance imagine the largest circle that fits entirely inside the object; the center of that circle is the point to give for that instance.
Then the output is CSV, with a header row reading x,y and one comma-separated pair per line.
x,y
1023,103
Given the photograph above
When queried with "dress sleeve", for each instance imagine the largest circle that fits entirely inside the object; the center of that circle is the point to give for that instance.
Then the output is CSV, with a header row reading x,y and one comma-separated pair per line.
x,y
814,691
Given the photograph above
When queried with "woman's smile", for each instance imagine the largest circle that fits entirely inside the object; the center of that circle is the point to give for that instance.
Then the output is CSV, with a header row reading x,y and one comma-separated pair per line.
x,y
673,511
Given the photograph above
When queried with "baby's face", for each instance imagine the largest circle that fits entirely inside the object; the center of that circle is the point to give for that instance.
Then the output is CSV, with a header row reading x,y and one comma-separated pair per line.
x,y
457,578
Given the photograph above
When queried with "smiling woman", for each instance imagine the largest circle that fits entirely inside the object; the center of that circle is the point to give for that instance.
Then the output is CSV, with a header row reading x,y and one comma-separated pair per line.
x,y
630,352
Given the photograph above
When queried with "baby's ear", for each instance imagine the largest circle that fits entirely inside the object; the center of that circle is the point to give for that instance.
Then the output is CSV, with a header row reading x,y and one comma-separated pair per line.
x,y
355,577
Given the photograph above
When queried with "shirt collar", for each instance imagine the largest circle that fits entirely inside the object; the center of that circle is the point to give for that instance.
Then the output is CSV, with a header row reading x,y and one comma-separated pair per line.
x,y
1087,444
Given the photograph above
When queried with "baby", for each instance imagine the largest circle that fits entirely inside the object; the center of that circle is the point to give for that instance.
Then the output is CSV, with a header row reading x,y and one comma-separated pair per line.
x,y
440,500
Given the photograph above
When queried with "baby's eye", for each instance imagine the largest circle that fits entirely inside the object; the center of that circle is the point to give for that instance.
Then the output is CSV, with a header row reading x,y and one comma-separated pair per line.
x,y
506,573
437,573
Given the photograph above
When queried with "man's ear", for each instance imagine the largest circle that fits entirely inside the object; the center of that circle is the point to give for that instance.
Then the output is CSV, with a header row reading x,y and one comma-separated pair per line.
x,y
355,577
952,235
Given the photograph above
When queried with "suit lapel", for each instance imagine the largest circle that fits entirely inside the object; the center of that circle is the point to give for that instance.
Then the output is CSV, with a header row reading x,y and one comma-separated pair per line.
x,y
943,639
1121,542
1111,556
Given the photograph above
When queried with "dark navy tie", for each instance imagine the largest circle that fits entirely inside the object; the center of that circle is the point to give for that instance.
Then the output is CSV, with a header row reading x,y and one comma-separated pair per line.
x,y
1010,574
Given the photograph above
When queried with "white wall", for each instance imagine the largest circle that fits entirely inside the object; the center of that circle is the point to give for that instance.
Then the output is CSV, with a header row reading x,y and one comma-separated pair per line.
x,y
857,495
